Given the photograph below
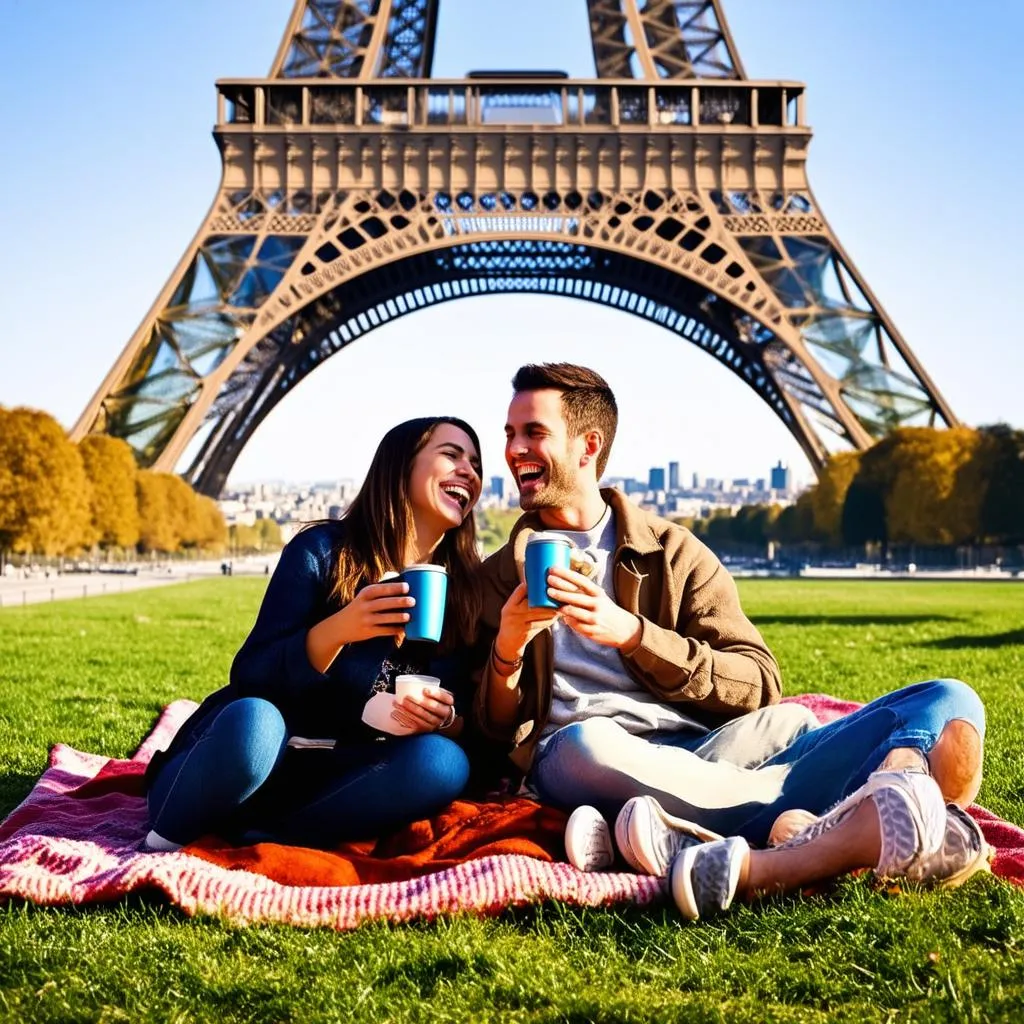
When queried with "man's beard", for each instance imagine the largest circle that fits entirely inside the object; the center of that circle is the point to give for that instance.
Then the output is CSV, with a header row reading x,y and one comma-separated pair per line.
x,y
557,492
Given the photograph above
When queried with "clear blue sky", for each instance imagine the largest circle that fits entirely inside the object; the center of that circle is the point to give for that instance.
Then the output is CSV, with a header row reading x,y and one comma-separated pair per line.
x,y
108,168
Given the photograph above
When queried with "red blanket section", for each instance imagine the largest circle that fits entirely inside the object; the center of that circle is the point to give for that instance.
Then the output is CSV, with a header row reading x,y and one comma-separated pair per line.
x,y
462,832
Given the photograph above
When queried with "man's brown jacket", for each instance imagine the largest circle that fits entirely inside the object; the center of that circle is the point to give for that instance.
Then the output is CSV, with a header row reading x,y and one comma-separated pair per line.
x,y
696,646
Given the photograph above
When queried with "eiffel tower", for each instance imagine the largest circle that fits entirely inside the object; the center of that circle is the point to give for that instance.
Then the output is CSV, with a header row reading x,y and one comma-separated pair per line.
x,y
356,188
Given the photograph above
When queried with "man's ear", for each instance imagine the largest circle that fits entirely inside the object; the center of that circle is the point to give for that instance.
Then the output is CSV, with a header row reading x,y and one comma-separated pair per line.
x,y
593,443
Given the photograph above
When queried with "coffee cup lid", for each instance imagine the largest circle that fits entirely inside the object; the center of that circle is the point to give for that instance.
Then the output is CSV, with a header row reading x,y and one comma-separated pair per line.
x,y
429,566
542,536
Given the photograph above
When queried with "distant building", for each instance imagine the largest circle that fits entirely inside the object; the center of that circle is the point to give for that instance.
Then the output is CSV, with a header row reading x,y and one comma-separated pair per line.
x,y
759,484
782,478
673,476
656,479
696,482
498,487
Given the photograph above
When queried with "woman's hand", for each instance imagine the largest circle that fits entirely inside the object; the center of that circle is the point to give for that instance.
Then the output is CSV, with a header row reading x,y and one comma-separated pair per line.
x,y
377,610
519,625
426,711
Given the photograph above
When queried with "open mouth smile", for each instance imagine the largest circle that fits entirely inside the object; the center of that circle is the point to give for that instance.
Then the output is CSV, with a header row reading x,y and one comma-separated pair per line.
x,y
529,472
459,493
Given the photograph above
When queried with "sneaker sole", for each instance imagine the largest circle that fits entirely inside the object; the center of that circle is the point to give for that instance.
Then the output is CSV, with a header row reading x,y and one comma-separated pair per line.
x,y
981,863
681,884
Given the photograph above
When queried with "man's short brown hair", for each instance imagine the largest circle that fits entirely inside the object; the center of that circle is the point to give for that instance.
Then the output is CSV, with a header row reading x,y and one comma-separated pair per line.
x,y
587,401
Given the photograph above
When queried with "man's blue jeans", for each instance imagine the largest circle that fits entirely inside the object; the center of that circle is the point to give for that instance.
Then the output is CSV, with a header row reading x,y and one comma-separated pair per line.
x,y
727,780
239,779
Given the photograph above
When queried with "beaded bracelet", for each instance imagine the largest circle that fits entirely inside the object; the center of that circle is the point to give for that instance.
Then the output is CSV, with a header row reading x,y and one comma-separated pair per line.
x,y
499,661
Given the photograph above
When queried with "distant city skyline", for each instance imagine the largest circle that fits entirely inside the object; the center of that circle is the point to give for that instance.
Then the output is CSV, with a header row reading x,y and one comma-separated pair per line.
x,y
291,504
685,478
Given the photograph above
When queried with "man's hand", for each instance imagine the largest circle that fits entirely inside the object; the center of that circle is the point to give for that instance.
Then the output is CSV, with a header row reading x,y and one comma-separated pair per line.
x,y
520,624
588,610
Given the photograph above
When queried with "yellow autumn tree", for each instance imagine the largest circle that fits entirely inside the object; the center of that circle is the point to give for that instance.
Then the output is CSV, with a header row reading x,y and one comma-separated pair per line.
x,y
932,498
270,534
157,512
6,487
212,531
828,495
245,539
44,492
110,467
183,507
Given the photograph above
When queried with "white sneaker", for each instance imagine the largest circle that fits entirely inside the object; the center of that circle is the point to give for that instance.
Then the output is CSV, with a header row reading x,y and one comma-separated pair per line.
x,y
649,837
912,819
588,840
155,843
964,852
704,877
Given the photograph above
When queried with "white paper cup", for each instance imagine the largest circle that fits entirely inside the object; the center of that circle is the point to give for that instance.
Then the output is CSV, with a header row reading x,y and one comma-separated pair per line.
x,y
414,685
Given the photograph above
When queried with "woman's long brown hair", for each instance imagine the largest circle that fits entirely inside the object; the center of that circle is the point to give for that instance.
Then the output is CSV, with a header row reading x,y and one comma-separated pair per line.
x,y
379,523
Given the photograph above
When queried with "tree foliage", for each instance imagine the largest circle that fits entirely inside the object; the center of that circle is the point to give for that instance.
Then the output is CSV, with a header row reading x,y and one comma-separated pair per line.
x,y
110,467
44,492
796,522
827,497
1002,507
212,531
157,530
934,494
917,485
59,498
263,535
493,526
172,516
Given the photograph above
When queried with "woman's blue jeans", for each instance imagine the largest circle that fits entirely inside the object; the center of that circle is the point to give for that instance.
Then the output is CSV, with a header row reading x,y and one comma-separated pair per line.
x,y
723,783
239,779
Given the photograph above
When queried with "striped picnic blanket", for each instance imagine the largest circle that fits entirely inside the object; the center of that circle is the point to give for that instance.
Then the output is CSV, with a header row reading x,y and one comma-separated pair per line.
x,y
77,839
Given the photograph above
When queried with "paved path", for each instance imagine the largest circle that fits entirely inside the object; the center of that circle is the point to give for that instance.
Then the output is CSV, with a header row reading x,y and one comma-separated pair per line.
x,y
17,589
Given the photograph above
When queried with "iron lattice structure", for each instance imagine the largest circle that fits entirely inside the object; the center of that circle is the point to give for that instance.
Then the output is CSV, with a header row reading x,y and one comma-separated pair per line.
x,y
356,189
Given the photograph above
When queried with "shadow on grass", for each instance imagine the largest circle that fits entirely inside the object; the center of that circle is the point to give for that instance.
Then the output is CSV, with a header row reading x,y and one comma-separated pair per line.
x,y
959,643
818,619
14,787
108,699
141,906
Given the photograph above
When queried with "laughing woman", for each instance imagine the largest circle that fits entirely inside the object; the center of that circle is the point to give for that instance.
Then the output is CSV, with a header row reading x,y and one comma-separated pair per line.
x,y
282,753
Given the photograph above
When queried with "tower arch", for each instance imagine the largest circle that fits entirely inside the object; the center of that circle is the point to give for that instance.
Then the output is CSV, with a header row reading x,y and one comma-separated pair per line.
x,y
692,312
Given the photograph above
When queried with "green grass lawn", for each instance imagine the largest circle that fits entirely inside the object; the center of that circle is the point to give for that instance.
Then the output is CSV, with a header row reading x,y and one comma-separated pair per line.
x,y
95,674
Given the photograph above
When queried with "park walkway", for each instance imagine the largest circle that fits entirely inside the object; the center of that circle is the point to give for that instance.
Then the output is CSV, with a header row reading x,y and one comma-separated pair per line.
x,y
16,588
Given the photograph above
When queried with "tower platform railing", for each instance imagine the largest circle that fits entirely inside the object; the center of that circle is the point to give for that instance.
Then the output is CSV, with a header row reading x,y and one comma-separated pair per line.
x,y
539,104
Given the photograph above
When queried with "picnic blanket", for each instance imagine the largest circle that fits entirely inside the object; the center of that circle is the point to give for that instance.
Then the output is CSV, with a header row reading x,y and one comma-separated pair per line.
x,y
77,839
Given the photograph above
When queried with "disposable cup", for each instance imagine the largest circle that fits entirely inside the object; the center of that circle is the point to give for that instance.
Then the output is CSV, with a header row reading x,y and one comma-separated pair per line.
x,y
414,685
543,552
428,584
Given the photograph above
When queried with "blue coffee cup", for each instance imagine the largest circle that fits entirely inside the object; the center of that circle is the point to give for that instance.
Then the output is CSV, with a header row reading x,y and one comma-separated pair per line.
x,y
543,552
428,584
